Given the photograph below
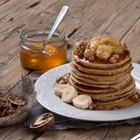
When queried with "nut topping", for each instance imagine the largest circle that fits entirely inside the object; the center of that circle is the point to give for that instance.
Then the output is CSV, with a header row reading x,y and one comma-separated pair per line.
x,y
80,49
100,48
114,58
91,59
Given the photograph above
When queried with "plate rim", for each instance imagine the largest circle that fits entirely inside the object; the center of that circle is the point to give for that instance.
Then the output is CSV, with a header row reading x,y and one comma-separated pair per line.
x,y
74,116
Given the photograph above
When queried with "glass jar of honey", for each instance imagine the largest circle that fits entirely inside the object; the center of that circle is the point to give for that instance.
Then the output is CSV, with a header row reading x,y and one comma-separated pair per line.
x,y
36,56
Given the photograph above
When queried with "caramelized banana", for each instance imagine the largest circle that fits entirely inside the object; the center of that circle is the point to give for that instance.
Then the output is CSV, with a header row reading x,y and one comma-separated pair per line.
x,y
104,51
109,41
88,53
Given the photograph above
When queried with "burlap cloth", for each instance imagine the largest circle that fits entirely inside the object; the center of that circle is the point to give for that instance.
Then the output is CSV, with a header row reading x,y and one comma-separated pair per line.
x,y
25,90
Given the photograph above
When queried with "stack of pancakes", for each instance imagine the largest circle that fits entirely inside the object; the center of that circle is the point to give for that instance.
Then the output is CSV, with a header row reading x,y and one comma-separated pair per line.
x,y
109,83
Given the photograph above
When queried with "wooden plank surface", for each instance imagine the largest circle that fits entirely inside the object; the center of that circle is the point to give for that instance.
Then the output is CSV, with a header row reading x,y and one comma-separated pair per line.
x,y
120,20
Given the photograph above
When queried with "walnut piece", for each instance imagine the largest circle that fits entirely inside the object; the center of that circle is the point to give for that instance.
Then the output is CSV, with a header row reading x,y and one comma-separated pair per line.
x,y
16,101
79,51
91,58
62,80
10,105
114,58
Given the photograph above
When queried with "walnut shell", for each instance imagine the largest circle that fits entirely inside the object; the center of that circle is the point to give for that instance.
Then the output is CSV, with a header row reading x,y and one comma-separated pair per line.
x,y
16,101
43,122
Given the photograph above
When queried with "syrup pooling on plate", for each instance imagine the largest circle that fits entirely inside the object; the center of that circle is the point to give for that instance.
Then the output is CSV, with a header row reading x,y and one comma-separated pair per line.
x,y
101,69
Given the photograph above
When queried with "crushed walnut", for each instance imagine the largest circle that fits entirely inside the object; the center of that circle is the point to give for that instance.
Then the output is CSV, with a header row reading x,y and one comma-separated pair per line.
x,y
10,105
114,58
135,98
80,50
63,79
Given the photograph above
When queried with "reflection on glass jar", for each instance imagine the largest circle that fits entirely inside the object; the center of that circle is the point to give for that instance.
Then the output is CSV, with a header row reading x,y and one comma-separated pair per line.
x,y
32,54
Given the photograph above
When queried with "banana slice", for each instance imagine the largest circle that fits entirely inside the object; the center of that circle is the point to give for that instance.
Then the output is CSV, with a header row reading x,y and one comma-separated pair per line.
x,y
68,94
82,101
104,51
59,89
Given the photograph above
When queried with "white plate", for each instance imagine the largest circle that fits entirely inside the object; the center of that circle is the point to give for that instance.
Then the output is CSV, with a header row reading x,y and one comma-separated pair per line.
x,y
46,97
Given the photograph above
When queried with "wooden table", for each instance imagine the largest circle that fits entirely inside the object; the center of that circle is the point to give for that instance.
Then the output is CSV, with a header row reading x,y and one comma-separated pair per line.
x,y
118,19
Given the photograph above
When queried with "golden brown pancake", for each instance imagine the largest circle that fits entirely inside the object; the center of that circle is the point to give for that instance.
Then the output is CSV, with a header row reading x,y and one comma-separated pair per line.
x,y
101,68
101,71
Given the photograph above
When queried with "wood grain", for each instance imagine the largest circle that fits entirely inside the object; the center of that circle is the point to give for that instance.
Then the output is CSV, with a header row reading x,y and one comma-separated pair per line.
x,y
133,41
98,133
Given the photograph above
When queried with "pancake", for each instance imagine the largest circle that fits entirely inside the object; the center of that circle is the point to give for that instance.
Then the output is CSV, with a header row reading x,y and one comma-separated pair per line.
x,y
101,71
98,84
98,77
102,82
101,68
107,94
95,82
117,104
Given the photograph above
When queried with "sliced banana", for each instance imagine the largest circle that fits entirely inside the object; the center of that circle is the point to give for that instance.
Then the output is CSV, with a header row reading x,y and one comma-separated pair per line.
x,y
68,94
59,89
82,101
88,53
104,51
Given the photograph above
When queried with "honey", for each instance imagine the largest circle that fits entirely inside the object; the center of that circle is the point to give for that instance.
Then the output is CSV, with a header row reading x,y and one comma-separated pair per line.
x,y
34,56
